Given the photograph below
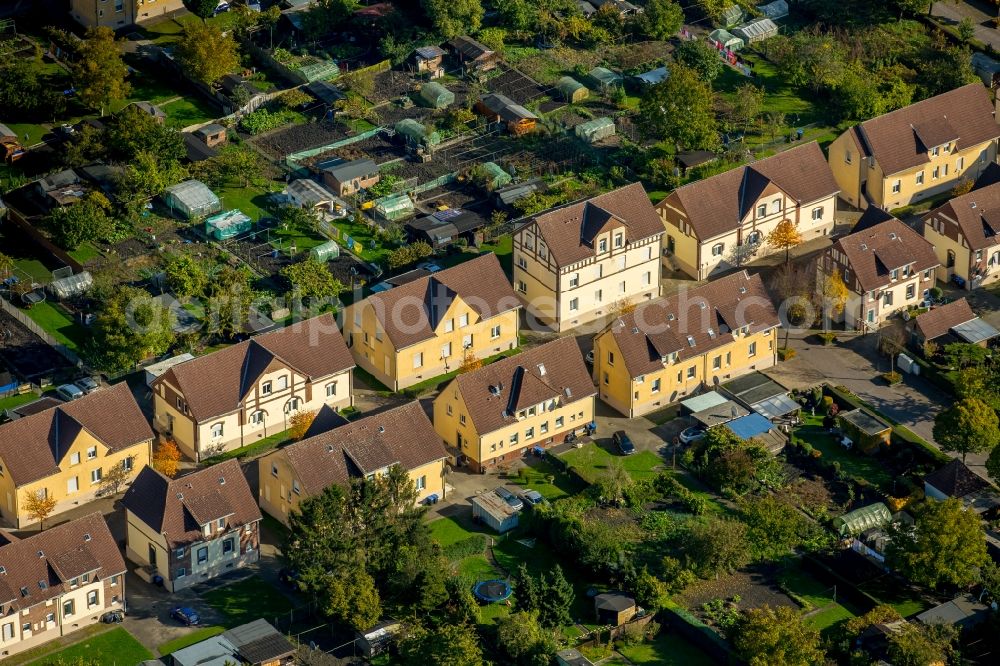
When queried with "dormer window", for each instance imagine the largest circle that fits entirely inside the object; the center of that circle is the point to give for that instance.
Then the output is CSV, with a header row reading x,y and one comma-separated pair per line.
x,y
265,388
895,274
206,529
602,245
690,340
222,523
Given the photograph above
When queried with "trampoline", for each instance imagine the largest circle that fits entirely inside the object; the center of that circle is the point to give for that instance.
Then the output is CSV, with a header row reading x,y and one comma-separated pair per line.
x,y
492,591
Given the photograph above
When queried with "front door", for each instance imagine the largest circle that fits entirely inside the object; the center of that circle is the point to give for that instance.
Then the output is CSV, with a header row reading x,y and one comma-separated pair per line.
x,y
152,556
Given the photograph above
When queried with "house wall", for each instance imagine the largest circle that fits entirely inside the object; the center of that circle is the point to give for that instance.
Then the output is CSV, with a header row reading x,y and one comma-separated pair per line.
x,y
373,351
871,308
351,186
978,268
848,167
116,14
138,538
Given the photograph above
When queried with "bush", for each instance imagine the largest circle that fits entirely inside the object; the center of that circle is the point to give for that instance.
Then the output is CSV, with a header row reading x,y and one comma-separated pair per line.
x,y
262,120
786,353
892,378
828,338
472,545
827,404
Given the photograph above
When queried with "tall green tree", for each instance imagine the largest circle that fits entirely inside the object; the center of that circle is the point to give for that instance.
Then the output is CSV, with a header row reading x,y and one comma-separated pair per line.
x,y
557,599
312,279
185,275
350,597
524,640
968,426
99,70
230,297
680,110
147,175
453,18
701,57
133,131
768,636
87,220
206,54
203,9
944,69
527,589
447,645
945,546
922,644
130,327
662,19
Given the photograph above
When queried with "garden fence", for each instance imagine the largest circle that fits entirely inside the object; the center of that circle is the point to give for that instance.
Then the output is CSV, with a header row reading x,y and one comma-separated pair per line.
x,y
30,324
293,160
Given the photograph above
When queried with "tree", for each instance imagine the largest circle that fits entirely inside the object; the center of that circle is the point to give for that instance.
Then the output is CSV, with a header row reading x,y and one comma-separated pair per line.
x,y
717,544
351,597
446,644
784,236
86,146
891,340
680,110
775,121
662,19
166,457
878,615
611,486
774,527
453,18
470,362
133,132
557,599
700,57
131,326
114,478
237,164
524,640
923,644
87,220
835,295
205,53
312,279
147,175
966,29
230,298
203,9
945,546
791,287
748,104
521,15
99,69
7,266
299,422
185,275
945,69
649,591
527,589
768,636
39,505
968,426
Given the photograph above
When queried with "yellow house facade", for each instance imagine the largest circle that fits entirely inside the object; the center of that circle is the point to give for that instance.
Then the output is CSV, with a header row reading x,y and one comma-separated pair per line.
x,y
360,449
916,152
67,451
963,232
430,326
722,222
577,263
670,348
494,415
117,14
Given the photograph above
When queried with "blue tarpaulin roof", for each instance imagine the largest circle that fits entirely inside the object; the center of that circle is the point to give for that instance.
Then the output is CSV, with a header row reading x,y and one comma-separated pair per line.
x,y
748,427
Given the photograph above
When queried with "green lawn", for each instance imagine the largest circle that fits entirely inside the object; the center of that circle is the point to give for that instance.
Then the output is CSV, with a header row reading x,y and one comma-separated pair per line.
x,y
822,610
250,200
853,462
34,131
184,641
698,490
111,647
259,447
85,253
59,324
447,531
536,477
591,460
284,238
667,649
248,600
190,110
371,249
10,402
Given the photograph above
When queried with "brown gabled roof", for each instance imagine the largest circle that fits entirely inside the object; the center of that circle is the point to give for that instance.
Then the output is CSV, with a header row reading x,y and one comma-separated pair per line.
x,y
177,508
902,139
874,252
401,436
469,48
553,371
410,312
55,557
217,383
938,321
668,326
718,204
33,447
977,215
569,230
956,480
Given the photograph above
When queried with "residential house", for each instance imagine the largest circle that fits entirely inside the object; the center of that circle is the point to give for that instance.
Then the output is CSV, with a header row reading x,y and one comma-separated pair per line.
x,y
117,14
670,348
55,582
956,481
65,452
951,322
359,449
244,393
193,528
887,267
723,221
346,178
474,55
964,234
499,108
432,325
574,263
256,643
537,398
918,151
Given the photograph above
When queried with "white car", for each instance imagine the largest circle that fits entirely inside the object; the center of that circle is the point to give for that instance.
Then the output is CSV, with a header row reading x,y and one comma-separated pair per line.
x,y
692,434
69,392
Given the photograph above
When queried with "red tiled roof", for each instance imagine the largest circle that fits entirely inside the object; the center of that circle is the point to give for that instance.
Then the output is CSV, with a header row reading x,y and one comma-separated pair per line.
x,y
977,215
939,320
876,251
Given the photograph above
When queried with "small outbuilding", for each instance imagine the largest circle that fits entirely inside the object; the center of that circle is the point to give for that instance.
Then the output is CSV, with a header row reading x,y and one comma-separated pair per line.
x,y
347,177
191,199
572,657
212,135
867,431
774,10
962,612
603,79
572,90
614,608
428,60
307,193
228,224
378,639
490,509
594,130
436,96
394,208
500,108
867,517
416,134
325,251
757,30
473,54
724,39
653,76
952,322
731,15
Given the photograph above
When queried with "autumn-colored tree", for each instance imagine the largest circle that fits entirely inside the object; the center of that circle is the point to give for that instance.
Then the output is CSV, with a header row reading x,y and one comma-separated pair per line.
x,y
785,236
114,479
623,306
6,266
166,457
39,505
963,186
298,424
470,362
835,295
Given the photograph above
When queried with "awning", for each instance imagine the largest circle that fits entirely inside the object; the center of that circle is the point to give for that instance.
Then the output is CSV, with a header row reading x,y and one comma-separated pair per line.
x,y
702,402
776,406
722,413
975,331
750,426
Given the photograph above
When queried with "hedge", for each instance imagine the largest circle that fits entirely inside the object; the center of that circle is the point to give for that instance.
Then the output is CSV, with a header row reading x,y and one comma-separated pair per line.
x,y
698,633
471,545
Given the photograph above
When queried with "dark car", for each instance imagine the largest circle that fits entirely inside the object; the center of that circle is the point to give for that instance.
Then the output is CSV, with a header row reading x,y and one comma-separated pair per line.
x,y
623,443
533,497
509,497
186,615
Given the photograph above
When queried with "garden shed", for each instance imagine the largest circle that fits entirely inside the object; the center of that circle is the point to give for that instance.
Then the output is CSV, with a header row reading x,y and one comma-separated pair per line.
x,y
865,430
731,15
325,251
436,96
653,76
757,30
572,90
394,207
416,134
71,286
490,509
228,224
774,10
603,79
614,608
865,518
594,130
191,199
726,39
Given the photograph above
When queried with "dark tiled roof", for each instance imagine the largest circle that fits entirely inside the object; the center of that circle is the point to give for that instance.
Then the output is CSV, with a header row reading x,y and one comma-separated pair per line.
x,y
216,383
977,216
566,229
469,48
956,480
660,328
410,313
403,435
177,508
494,393
718,204
938,321
54,557
875,252
33,447
348,171
36,406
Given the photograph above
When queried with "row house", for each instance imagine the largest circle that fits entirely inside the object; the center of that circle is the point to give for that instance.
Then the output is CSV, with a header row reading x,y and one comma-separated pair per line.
x,y
964,232
117,14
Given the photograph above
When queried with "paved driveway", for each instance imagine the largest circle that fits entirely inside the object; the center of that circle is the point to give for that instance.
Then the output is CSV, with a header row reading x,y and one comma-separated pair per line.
x,y
954,12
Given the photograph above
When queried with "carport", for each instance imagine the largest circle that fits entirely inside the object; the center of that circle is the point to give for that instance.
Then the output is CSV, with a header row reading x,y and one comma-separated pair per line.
x,y
702,402
724,412
762,395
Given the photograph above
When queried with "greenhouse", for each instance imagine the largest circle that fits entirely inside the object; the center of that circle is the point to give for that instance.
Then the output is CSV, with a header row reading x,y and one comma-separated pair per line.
x,y
594,130
71,286
774,10
191,199
436,96
727,39
731,15
416,134
496,176
757,30
394,207
317,69
572,90
228,224
604,79
865,518
325,252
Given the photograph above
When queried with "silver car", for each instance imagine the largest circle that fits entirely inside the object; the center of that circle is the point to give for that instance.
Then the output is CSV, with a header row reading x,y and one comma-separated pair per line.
x,y
69,392
88,385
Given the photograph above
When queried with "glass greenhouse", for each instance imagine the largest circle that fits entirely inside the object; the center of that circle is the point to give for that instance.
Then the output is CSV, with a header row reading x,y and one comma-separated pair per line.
x,y
191,199
594,130
228,224
865,518
394,207
325,252
71,286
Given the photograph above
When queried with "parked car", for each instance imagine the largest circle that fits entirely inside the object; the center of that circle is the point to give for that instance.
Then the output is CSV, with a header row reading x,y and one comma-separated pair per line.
x,y
69,392
429,266
222,7
533,498
692,434
186,615
623,443
87,384
509,497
